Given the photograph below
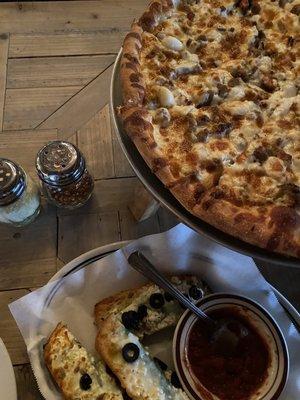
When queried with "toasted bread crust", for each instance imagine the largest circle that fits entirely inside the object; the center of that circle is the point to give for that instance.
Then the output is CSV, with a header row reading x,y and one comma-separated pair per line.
x,y
116,303
132,298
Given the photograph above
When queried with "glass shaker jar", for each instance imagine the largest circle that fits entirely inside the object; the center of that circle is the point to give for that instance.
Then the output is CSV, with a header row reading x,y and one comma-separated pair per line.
x,y
65,180
19,195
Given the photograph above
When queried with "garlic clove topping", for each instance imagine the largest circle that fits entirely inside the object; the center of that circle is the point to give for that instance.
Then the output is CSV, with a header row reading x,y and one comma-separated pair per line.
x,y
172,43
166,97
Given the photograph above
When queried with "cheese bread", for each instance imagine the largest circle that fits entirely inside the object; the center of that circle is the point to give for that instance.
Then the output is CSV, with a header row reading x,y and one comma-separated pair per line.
x,y
76,373
123,320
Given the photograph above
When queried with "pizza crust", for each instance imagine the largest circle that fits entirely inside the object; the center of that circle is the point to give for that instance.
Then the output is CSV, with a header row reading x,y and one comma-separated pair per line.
x,y
274,228
132,82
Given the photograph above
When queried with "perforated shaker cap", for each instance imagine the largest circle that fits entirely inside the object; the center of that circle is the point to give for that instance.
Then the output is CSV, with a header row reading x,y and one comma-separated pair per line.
x,y
12,181
59,163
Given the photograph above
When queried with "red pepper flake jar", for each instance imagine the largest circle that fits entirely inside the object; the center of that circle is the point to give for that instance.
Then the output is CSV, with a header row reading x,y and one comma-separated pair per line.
x,y
65,180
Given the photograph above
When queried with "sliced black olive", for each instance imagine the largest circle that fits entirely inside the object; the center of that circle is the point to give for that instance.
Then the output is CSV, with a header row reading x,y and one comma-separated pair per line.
x,y
85,382
195,292
142,311
160,363
175,380
168,297
130,320
156,300
130,352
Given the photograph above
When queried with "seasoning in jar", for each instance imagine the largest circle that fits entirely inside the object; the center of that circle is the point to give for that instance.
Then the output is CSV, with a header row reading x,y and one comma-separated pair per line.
x,y
19,195
65,180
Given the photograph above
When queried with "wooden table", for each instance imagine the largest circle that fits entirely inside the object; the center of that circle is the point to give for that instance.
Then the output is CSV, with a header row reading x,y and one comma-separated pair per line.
x,y
55,66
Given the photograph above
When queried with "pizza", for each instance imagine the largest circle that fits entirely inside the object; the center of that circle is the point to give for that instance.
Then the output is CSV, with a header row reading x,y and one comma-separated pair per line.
x,y
211,101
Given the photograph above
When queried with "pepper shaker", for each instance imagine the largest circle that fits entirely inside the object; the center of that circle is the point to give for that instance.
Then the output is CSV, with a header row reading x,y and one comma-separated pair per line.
x,y
19,195
62,170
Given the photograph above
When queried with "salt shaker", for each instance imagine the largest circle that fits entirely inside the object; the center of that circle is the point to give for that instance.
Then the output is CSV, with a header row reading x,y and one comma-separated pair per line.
x,y
65,180
19,195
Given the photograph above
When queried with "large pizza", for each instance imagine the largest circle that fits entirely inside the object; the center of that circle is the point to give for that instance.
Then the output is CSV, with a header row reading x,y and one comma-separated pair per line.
x,y
211,101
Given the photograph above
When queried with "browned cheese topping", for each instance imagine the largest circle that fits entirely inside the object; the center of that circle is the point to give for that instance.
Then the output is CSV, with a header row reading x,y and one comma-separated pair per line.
x,y
222,87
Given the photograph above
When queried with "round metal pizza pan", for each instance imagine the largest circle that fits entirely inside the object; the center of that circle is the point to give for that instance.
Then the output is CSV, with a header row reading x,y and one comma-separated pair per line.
x,y
163,195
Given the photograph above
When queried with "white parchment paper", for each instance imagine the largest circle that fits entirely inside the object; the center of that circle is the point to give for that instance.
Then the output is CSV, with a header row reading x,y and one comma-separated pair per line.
x,y
179,250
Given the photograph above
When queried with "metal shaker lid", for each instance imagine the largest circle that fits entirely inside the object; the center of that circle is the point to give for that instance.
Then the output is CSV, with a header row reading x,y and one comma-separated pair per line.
x,y
59,163
12,181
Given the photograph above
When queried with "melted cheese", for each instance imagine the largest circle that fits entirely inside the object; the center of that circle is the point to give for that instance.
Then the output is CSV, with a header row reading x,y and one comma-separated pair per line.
x,y
71,361
246,67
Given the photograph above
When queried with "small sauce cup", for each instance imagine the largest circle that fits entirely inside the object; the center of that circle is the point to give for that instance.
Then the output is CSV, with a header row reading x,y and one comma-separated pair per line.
x,y
262,323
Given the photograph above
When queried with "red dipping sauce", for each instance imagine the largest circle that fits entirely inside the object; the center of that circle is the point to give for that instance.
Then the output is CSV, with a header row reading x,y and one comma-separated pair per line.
x,y
234,377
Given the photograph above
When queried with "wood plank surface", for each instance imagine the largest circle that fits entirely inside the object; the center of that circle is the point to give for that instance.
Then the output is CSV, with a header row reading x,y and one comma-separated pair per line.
x,y
26,274
22,146
130,229
109,195
66,16
76,112
33,243
26,384
65,44
9,331
4,41
122,166
27,108
55,71
143,205
95,141
80,233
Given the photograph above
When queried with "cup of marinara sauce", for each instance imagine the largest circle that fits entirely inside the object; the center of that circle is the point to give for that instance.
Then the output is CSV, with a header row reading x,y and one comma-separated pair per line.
x,y
256,370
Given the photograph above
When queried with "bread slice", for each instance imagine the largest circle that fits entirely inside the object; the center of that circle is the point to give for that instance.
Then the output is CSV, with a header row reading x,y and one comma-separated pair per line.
x,y
68,361
142,379
156,319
